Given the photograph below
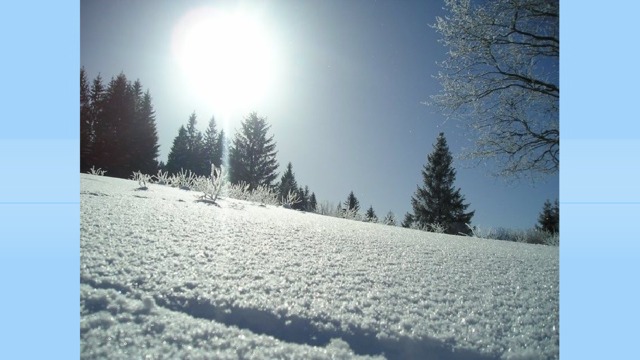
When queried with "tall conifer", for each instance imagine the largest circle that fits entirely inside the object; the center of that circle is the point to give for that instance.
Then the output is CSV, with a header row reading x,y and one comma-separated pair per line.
x,y
438,202
252,156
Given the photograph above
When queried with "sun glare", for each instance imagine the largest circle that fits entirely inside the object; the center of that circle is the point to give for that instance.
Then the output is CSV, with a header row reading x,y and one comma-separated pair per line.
x,y
227,57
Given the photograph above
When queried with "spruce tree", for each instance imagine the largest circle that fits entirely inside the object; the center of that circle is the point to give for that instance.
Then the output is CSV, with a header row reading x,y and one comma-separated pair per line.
x,y
100,149
145,137
196,160
96,103
549,218
408,221
304,198
438,202
219,152
212,145
113,128
85,123
252,156
288,183
370,215
313,203
179,154
352,203
120,121
302,205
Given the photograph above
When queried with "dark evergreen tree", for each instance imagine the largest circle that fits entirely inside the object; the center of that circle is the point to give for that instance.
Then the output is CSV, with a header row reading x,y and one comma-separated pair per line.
x,y
352,203
313,203
121,126
302,205
288,183
145,137
85,123
549,218
304,198
252,156
389,219
370,215
113,127
179,154
438,202
219,152
408,221
196,160
212,146
97,99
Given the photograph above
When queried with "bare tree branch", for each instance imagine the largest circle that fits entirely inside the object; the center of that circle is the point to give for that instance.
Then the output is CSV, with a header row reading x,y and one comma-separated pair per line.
x,y
501,79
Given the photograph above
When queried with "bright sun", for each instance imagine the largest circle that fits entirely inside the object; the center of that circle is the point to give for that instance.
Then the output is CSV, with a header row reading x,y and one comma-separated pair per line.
x,y
228,57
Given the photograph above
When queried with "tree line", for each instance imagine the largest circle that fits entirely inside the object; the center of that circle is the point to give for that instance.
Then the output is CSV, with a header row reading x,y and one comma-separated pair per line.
x,y
118,134
194,151
117,126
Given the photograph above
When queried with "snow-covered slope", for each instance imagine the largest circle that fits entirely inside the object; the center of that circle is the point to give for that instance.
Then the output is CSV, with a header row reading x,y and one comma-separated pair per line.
x,y
164,276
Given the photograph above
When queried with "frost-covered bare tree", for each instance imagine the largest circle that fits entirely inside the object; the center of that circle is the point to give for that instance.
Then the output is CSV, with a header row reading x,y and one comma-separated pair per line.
x,y
501,78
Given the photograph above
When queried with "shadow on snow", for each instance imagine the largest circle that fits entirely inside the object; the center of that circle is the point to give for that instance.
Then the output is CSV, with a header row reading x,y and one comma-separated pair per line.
x,y
299,330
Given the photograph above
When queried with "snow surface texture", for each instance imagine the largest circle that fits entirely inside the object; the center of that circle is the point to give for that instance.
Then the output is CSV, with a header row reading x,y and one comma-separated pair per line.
x,y
165,277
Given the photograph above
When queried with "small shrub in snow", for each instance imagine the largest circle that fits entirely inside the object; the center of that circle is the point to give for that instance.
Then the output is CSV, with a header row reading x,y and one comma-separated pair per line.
x,y
434,228
184,180
162,178
200,183
534,236
437,228
142,179
529,236
213,184
98,171
262,194
291,199
389,219
553,239
238,191
351,214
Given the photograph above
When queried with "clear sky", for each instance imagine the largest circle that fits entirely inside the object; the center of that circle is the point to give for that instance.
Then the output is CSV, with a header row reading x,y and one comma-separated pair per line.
x,y
341,83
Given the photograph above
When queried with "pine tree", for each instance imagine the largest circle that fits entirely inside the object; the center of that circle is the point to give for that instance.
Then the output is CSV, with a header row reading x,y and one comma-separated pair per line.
x,y
438,202
86,124
288,183
389,219
252,156
179,154
118,130
196,161
549,218
145,137
408,221
212,145
114,126
189,150
370,215
99,148
352,204
313,203
219,152
304,198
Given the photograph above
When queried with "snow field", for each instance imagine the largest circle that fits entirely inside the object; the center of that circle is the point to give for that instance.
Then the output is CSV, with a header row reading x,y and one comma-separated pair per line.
x,y
164,276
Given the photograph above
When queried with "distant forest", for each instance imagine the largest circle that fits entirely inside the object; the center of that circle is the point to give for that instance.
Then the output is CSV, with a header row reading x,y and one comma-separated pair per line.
x,y
118,135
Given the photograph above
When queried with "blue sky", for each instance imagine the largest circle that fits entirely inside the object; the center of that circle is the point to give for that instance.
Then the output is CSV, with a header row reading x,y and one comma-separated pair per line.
x,y
345,99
